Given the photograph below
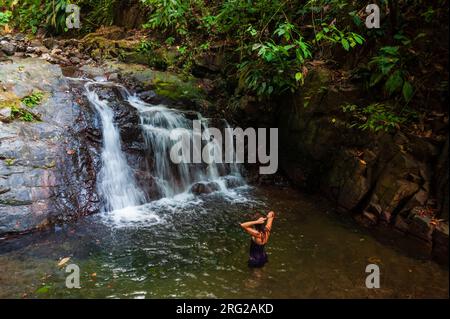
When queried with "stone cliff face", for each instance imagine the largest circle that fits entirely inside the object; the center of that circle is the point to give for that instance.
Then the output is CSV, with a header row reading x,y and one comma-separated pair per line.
x,y
47,165
396,181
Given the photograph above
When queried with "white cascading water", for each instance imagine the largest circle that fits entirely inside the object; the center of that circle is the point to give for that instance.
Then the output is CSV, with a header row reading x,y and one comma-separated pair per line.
x,y
157,122
116,182
125,203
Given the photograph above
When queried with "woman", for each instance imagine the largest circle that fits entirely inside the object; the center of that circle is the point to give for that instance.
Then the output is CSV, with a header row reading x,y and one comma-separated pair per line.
x,y
260,232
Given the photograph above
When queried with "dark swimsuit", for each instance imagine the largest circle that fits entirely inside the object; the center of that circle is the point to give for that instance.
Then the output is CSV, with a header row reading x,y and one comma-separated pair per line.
x,y
258,257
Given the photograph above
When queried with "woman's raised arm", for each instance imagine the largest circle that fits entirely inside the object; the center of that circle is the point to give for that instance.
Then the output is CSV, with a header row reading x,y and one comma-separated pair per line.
x,y
270,218
247,226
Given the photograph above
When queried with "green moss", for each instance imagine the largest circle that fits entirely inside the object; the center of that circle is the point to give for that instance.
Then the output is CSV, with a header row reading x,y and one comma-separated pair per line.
x,y
135,57
175,88
8,99
10,161
33,100
24,115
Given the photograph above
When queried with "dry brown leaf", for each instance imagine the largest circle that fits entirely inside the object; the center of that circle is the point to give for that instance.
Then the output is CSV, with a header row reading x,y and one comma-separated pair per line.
x,y
63,261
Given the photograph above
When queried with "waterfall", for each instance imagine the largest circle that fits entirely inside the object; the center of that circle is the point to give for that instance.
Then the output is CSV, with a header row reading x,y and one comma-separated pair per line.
x,y
116,183
157,122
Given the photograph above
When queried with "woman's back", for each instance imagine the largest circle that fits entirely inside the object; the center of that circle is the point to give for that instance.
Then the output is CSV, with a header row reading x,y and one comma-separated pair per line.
x,y
260,232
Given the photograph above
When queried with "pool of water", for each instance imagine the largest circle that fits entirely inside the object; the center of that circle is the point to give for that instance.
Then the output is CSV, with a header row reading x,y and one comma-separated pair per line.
x,y
194,248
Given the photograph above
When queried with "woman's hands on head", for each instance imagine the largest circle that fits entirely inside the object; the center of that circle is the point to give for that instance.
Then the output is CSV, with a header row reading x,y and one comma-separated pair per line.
x,y
261,220
271,215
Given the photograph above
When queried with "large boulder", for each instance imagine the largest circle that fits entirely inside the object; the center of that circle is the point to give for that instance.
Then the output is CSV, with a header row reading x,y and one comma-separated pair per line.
x,y
7,47
47,166
398,182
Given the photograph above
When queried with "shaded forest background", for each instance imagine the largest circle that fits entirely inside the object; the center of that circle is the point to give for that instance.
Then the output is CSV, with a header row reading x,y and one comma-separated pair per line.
x,y
271,44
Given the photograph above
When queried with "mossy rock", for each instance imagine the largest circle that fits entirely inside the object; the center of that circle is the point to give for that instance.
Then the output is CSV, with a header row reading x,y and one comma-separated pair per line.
x,y
160,59
103,45
9,99
108,33
173,87
135,57
167,84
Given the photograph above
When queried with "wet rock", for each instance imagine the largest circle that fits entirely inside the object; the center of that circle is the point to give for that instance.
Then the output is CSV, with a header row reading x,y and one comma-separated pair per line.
x,y
148,96
147,183
348,181
170,88
400,180
41,50
113,77
204,188
233,181
75,60
420,225
135,57
56,51
20,37
5,113
49,43
20,54
47,168
367,219
7,47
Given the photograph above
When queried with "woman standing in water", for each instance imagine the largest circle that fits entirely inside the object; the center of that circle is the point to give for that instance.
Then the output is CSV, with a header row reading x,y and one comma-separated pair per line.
x,y
259,229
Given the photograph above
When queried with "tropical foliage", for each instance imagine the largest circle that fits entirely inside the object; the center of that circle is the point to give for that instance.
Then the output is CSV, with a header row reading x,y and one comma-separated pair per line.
x,y
270,45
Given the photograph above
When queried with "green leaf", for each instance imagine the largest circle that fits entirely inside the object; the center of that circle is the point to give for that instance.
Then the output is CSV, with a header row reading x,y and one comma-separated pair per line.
x,y
298,76
390,50
375,78
319,36
394,82
359,39
345,44
43,290
408,91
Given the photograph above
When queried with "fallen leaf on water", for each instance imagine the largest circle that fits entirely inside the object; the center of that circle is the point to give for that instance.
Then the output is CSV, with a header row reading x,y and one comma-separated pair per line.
x,y
43,290
70,152
374,260
63,261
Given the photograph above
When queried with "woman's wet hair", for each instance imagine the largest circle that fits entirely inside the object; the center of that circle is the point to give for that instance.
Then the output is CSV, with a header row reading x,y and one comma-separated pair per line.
x,y
260,227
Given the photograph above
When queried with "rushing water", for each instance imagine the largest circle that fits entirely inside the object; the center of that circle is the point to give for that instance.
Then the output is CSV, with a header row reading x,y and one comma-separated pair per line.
x,y
116,182
157,123
186,245
125,203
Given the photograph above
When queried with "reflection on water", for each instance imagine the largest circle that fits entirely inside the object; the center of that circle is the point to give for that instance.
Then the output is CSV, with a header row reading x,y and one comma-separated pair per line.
x,y
197,249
